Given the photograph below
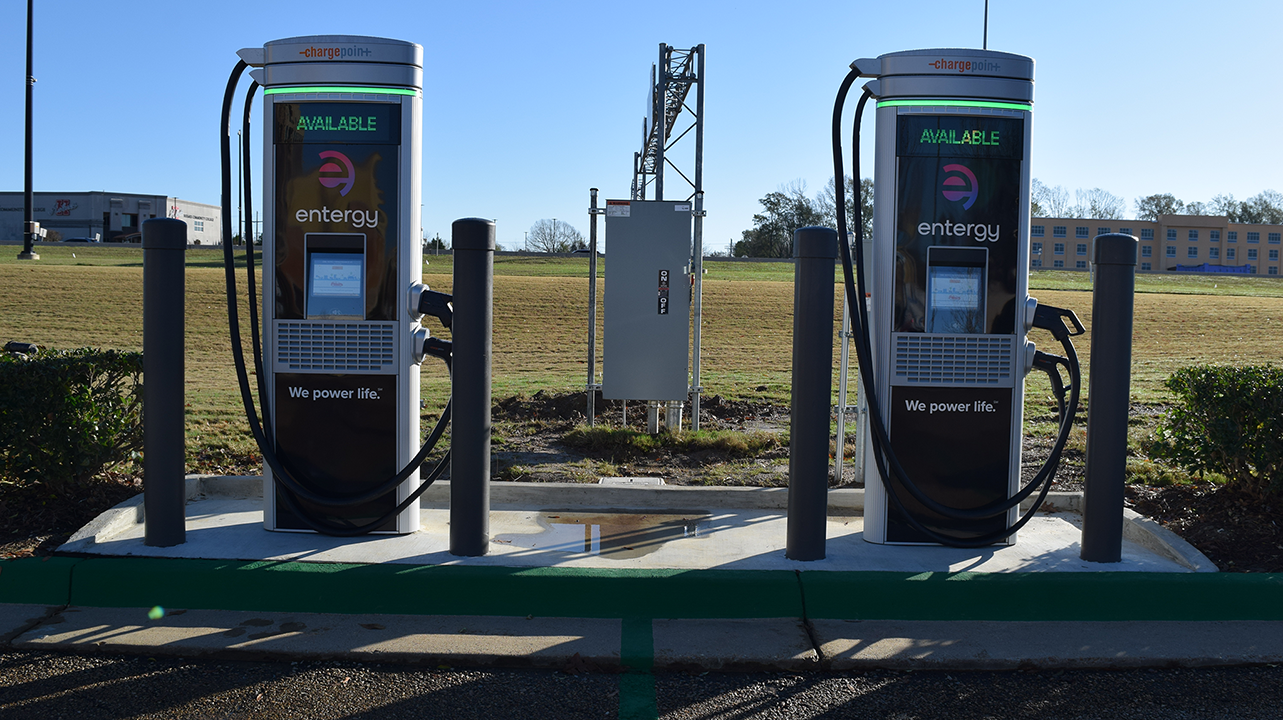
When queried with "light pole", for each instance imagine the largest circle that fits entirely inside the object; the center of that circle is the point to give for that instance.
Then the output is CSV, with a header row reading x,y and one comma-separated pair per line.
x,y
29,229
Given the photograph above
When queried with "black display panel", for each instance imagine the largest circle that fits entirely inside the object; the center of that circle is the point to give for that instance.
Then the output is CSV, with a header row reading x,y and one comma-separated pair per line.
x,y
337,122
349,185
962,195
337,435
960,136
955,444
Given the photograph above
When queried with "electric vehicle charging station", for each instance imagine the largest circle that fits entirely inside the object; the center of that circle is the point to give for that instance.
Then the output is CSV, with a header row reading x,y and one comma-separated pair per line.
x,y
342,120
945,346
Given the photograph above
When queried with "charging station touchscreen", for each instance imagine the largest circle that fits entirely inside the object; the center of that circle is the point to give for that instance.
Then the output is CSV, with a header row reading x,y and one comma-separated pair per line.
x,y
955,290
336,283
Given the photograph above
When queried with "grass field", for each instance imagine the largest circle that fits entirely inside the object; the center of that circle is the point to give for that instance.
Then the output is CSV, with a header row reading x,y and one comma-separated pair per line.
x,y
81,295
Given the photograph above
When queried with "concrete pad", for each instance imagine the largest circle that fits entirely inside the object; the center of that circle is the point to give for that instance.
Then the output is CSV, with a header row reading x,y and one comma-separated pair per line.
x,y
17,617
742,539
460,640
983,645
751,644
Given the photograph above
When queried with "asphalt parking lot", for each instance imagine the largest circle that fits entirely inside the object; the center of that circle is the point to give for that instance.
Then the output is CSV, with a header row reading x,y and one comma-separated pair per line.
x,y
88,687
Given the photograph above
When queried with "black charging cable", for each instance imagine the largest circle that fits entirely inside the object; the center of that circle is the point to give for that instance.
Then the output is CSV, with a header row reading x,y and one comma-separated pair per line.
x,y
890,471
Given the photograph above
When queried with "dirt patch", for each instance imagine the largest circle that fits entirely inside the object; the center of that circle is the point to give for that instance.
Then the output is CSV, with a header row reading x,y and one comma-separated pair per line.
x,y
36,521
1235,529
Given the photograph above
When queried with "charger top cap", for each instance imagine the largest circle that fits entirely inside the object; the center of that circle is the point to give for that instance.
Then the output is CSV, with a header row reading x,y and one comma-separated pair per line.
x,y
337,60
985,74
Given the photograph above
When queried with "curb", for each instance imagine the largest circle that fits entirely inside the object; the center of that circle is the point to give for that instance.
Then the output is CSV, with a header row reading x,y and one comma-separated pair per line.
x,y
635,593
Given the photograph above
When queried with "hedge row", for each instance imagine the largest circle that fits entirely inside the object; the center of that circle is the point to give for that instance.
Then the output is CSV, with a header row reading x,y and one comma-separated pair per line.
x,y
66,415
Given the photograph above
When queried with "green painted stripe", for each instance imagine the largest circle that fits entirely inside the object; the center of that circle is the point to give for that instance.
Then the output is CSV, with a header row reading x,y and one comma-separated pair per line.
x,y
434,590
955,103
637,696
637,654
340,89
37,580
1043,596
606,593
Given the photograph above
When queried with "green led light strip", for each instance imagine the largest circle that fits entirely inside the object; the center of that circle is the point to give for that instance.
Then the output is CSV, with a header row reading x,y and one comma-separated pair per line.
x,y
955,103
329,89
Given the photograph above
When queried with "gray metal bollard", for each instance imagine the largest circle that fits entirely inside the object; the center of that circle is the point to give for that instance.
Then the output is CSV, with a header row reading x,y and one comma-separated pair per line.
x,y
1108,397
814,252
473,241
164,476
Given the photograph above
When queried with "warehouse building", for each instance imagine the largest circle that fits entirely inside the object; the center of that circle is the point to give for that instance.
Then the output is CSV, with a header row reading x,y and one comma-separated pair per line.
x,y
107,216
1176,243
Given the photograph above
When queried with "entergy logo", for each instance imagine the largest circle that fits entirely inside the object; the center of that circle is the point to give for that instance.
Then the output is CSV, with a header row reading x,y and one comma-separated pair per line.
x,y
348,179
956,188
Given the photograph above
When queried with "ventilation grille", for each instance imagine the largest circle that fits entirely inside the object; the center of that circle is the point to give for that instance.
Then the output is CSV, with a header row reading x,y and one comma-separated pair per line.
x,y
335,347
922,359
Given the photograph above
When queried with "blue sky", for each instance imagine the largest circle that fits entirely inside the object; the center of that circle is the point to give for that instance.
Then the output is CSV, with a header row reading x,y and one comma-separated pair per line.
x,y
527,105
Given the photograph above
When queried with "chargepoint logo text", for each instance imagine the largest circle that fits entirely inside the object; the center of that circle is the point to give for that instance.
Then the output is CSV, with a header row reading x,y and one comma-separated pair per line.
x,y
956,187
334,53
349,173
961,185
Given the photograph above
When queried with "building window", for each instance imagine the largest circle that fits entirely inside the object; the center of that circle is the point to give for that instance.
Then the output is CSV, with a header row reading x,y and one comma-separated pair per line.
x,y
1058,231
1171,251
1036,230
1274,269
1229,253
1214,235
1193,236
1274,255
198,225
1082,248
1059,248
1147,251
1251,253
1147,233
1214,253
1251,269
1171,233
1037,262
1146,267
1125,231
1037,249
1080,231
1102,231
1231,236
1192,252
1274,238
1081,264
1058,263
1253,237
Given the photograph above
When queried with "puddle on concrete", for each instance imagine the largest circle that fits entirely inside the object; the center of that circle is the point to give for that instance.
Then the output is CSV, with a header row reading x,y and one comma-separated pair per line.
x,y
609,534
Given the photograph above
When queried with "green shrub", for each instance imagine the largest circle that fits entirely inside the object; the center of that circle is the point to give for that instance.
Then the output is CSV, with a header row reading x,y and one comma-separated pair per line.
x,y
1226,420
66,415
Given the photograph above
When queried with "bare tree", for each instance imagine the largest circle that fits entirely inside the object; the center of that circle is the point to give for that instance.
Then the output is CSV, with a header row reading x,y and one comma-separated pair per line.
x,y
1099,204
1225,205
1052,201
554,236
826,203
